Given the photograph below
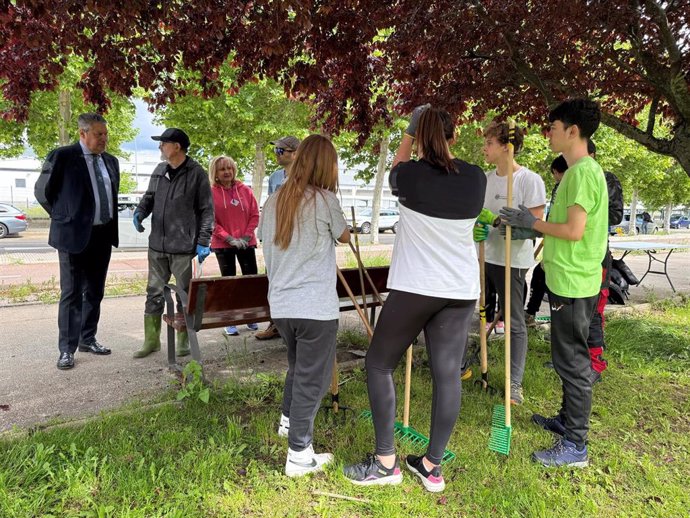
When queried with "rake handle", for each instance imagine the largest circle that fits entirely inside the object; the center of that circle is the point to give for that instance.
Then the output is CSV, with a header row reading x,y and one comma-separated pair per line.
x,y
359,265
335,386
362,316
507,276
483,359
408,382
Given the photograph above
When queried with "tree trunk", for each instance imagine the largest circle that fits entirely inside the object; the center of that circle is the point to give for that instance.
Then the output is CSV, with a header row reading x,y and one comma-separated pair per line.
x,y
667,217
633,214
378,188
259,170
65,117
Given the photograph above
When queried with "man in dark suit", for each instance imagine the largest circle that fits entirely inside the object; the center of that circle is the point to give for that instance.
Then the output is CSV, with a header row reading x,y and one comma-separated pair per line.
x,y
78,187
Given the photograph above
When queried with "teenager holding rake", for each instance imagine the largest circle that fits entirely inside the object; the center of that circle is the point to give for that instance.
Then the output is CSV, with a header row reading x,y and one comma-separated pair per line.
x,y
434,286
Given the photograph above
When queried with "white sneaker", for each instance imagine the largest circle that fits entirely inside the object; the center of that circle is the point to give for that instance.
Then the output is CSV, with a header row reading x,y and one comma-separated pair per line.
x,y
284,426
300,463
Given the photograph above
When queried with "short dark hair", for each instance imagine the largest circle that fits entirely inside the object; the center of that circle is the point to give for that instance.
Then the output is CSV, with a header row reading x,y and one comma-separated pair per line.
x,y
500,130
559,164
583,113
591,148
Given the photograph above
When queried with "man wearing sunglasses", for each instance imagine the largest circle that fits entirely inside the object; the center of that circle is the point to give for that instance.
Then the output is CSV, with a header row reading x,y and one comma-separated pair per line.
x,y
285,154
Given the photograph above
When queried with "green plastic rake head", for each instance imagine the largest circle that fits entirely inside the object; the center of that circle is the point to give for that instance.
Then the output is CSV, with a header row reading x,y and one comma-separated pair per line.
x,y
409,435
499,440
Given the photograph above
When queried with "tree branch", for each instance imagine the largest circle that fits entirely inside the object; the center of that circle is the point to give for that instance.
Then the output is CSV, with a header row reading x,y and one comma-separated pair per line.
x,y
651,120
663,147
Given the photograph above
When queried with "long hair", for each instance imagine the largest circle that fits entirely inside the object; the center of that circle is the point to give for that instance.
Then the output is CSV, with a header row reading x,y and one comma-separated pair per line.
x,y
315,166
434,130
213,168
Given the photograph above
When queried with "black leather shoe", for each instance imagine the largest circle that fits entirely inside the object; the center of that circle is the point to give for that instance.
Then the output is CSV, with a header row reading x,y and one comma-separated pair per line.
x,y
66,361
93,347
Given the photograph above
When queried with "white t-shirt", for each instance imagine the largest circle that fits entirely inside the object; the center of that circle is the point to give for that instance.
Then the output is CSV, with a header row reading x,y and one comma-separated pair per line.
x,y
528,190
302,278
434,254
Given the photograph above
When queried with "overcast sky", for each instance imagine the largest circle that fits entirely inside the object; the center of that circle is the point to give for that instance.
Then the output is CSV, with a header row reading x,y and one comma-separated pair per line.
x,y
144,123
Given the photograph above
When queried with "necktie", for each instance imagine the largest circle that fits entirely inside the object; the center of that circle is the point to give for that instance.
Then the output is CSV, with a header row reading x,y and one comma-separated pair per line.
x,y
102,193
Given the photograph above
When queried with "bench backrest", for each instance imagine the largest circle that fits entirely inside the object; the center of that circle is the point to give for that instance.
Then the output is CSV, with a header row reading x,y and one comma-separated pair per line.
x,y
248,295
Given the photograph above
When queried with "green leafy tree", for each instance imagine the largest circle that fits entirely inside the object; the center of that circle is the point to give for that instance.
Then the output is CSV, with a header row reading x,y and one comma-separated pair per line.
x,y
239,123
52,118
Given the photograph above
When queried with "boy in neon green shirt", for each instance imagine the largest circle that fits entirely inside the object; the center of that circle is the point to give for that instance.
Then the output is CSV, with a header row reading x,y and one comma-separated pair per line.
x,y
575,240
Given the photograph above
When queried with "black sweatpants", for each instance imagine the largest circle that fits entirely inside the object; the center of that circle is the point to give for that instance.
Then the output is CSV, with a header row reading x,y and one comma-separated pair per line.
x,y
445,323
570,319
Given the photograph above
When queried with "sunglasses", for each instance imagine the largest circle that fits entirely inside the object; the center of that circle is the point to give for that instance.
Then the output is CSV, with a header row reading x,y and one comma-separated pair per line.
x,y
281,151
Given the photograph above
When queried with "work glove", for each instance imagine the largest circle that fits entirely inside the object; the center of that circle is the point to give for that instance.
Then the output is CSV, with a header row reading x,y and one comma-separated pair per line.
x,y
236,242
414,119
519,233
520,217
202,252
246,240
136,219
486,217
480,232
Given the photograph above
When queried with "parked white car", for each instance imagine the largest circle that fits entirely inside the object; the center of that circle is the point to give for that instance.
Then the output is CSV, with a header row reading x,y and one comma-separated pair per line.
x,y
388,220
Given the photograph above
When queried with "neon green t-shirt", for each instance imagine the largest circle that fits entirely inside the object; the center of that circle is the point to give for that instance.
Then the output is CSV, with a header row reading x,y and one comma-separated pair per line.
x,y
573,268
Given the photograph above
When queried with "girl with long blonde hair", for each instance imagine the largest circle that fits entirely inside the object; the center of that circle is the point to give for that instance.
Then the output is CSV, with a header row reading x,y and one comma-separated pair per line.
x,y
299,227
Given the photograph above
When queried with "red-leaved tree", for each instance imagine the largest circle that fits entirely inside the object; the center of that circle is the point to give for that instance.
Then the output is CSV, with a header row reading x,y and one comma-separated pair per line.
x,y
353,57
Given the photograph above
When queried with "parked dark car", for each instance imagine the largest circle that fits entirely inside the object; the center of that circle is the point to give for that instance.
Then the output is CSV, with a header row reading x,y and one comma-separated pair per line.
x,y
12,220
680,222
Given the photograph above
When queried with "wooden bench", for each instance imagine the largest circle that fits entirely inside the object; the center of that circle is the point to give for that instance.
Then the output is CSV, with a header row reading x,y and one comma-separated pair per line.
x,y
213,302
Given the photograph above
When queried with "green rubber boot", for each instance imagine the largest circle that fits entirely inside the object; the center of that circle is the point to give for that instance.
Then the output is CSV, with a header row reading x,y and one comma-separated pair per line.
x,y
152,336
182,341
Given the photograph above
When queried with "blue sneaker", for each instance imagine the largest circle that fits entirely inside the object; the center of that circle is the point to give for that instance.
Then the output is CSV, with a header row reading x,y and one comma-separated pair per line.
x,y
562,453
550,424
253,327
231,331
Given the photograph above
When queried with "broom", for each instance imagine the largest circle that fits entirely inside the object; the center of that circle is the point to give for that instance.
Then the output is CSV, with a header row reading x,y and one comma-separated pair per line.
x,y
501,430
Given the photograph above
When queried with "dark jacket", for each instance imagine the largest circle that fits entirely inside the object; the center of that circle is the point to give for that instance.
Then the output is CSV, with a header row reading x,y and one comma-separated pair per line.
x,y
65,191
182,209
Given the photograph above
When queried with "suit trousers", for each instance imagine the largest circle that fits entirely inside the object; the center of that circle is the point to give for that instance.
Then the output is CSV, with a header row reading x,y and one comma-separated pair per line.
x,y
82,285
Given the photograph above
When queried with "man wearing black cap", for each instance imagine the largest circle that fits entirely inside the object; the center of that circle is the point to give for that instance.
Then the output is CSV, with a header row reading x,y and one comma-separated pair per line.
x,y
285,154
179,196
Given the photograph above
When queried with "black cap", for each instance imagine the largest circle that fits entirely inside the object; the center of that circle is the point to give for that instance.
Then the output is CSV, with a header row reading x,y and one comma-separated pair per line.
x,y
174,135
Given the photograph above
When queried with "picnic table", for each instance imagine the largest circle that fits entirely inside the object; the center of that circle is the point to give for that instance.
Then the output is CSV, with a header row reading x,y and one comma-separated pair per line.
x,y
654,253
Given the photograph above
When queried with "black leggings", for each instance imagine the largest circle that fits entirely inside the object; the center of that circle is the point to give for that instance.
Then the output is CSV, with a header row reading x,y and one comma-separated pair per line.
x,y
246,258
445,323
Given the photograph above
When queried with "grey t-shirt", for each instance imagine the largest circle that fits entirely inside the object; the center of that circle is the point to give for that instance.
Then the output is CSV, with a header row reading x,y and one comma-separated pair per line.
x,y
302,278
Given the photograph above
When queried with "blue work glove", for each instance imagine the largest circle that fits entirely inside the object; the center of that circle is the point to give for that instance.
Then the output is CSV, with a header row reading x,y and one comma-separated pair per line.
x,y
203,252
136,219
520,217
519,233
480,232
414,119
486,217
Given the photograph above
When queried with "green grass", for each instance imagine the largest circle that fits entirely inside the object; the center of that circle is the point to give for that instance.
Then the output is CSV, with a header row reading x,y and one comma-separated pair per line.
x,y
225,459
48,292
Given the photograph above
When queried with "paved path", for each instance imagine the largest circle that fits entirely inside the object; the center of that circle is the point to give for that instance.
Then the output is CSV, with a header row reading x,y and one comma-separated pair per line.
x,y
34,392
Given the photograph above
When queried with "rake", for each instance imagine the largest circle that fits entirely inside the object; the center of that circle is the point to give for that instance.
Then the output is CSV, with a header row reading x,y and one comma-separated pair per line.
x,y
501,430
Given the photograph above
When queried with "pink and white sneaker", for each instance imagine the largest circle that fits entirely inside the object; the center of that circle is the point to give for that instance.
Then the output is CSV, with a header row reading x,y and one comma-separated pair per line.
x,y
432,480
